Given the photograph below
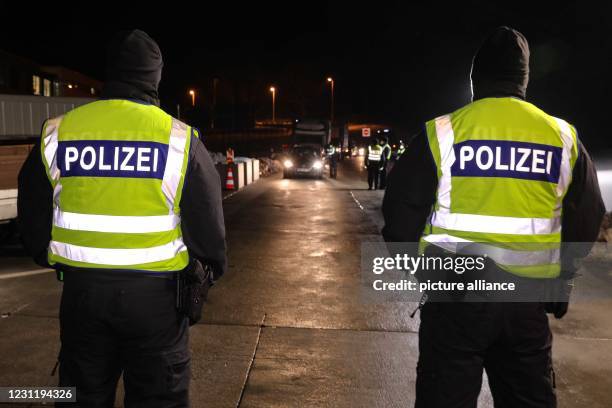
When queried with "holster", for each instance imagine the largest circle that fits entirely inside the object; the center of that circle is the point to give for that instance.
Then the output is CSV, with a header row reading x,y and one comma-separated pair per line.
x,y
192,288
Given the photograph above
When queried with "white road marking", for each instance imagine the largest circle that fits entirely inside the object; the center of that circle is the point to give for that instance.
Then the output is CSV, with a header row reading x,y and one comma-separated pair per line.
x,y
12,312
230,195
25,273
357,201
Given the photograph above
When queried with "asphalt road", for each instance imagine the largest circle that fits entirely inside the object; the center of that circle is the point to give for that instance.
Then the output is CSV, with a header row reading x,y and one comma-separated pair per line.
x,y
287,326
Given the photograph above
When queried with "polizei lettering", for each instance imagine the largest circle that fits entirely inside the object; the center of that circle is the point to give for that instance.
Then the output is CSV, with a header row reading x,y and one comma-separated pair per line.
x,y
110,158
498,158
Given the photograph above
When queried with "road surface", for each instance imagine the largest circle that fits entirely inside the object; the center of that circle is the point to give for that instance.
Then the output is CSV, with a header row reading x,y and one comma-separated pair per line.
x,y
286,327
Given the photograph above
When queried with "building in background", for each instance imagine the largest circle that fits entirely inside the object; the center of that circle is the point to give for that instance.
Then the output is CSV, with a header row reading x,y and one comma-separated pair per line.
x,y
22,76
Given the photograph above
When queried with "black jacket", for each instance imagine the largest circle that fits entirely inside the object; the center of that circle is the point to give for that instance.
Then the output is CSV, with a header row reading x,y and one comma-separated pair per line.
x,y
133,72
500,70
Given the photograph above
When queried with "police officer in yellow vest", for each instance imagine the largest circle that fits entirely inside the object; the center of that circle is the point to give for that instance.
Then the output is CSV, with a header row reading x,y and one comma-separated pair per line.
x,y
387,153
119,197
499,170
374,161
331,152
400,149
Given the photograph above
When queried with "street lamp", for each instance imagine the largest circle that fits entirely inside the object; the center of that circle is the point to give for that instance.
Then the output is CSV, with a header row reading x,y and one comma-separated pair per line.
x,y
273,90
192,93
331,82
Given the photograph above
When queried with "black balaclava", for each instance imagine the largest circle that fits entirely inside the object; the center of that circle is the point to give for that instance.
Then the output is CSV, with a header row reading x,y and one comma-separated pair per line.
x,y
133,67
501,65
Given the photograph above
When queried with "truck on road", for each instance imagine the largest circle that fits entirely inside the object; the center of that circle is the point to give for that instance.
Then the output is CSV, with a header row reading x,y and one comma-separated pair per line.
x,y
311,132
21,120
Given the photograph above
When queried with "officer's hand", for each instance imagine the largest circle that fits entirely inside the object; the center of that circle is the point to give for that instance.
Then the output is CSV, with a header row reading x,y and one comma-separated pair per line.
x,y
557,309
559,303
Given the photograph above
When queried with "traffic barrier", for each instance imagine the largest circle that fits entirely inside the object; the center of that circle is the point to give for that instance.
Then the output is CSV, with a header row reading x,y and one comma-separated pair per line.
x,y
240,176
248,167
255,169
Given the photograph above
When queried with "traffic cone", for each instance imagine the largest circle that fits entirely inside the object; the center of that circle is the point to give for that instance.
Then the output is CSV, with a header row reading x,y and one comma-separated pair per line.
x,y
229,181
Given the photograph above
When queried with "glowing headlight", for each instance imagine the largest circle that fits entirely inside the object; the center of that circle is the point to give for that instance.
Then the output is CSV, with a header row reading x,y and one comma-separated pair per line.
x,y
317,165
288,164
361,151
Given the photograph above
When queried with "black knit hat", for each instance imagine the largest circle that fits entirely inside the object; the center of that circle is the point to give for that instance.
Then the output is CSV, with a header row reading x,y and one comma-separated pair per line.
x,y
501,65
134,61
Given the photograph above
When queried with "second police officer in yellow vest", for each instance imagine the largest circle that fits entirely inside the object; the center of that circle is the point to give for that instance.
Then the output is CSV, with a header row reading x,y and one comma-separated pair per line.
x,y
400,149
504,177
131,199
374,161
387,154
332,153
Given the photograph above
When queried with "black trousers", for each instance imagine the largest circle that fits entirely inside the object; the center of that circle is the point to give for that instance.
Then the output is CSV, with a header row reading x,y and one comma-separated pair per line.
x,y
383,177
333,167
113,324
373,175
511,341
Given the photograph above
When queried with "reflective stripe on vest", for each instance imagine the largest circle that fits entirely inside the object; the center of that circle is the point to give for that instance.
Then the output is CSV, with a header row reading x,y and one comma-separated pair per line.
x,y
174,165
124,257
114,223
488,176
136,223
374,153
387,149
503,256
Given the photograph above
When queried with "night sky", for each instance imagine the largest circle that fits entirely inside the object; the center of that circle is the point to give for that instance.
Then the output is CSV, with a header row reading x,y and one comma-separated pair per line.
x,y
393,62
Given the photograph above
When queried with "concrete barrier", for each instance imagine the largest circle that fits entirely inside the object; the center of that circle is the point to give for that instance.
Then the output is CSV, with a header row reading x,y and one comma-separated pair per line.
x,y
248,167
255,169
245,172
239,175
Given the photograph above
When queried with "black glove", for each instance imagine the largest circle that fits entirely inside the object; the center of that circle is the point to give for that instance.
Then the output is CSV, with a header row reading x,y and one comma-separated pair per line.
x,y
559,304
558,309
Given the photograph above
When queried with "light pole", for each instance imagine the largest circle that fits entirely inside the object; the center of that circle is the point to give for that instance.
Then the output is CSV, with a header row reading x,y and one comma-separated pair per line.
x,y
273,90
331,82
192,93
